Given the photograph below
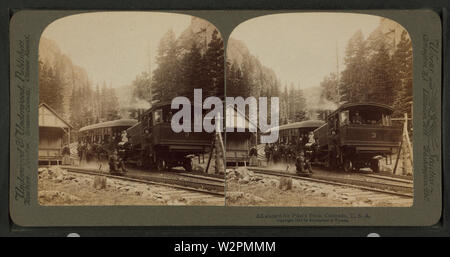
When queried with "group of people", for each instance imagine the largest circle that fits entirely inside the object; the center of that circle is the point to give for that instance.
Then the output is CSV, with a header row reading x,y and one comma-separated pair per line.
x,y
88,152
356,118
295,151
91,152
281,152
102,150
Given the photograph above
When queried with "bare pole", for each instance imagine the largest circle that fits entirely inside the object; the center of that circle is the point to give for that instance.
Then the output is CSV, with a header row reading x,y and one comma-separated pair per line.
x,y
206,45
337,74
394,43
149,60
149,73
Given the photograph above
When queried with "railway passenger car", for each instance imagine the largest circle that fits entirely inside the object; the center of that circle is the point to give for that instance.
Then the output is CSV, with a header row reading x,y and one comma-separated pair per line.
x,y
292,133
152,142
356,135
292,138
104,132
100,139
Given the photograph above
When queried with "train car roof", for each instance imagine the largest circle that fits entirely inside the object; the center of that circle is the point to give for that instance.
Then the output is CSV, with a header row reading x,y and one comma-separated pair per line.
x,y
300,124
364,105
135,125
109,124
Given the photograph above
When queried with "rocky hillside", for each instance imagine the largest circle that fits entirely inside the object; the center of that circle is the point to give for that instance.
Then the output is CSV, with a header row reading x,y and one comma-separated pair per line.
x,y
263,78
236,50
199,31
71,74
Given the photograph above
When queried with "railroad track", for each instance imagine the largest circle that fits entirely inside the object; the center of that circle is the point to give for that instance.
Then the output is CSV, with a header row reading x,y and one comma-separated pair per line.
x,y
391,177
205,187
221,180
397,189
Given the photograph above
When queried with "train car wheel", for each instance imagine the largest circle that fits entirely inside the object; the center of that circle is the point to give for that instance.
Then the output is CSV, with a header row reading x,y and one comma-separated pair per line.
x,y
348,165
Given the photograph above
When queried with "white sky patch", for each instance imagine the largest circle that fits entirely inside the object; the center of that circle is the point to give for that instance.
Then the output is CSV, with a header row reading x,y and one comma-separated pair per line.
x,y
114,46
301,47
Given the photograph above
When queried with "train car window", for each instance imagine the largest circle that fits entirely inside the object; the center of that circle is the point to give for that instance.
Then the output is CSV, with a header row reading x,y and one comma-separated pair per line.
x,y
167,114
344,119
157,118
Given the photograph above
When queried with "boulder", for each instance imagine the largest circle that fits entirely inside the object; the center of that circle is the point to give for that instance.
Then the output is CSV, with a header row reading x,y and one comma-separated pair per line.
x,y
253,198
100,182
234,196
285,183
242,172
41,170
244,180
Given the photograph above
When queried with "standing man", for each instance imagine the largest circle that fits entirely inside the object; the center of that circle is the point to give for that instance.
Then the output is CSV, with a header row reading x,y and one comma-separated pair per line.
x,y
335,149
253,156
66,155
267,151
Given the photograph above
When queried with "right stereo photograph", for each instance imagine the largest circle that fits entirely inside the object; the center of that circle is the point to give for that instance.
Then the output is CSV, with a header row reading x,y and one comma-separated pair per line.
x,y
321,112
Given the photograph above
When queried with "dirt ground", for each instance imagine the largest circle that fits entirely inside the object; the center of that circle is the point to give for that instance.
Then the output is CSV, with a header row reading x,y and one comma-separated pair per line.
x,y
59,187
244,188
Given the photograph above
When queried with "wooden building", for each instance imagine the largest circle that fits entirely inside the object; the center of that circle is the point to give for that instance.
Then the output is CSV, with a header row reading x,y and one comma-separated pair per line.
x,y
238,144
54,133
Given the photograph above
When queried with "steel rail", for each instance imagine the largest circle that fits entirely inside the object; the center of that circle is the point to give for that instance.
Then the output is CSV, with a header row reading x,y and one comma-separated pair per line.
x,y
333,182
212,189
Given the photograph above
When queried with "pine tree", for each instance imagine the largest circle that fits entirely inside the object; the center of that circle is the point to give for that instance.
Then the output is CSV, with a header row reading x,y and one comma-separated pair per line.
x,y
299,105
234,81
141,87
112,112
291,103
380,77
353,81
75,108
87,114
402,62
192,71
329,87
284,106
103,102
51,87
96,104
214,58
167,75
248,88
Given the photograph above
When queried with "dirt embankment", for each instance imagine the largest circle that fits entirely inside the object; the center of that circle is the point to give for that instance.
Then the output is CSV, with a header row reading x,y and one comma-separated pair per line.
x,y
59,187
245,188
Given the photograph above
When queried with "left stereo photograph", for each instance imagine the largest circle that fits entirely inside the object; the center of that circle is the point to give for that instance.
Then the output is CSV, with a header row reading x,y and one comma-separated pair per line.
x,y
107,84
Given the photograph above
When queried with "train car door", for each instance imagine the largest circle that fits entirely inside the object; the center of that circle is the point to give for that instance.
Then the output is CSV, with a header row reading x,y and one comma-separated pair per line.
x,y
149,126
333,135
